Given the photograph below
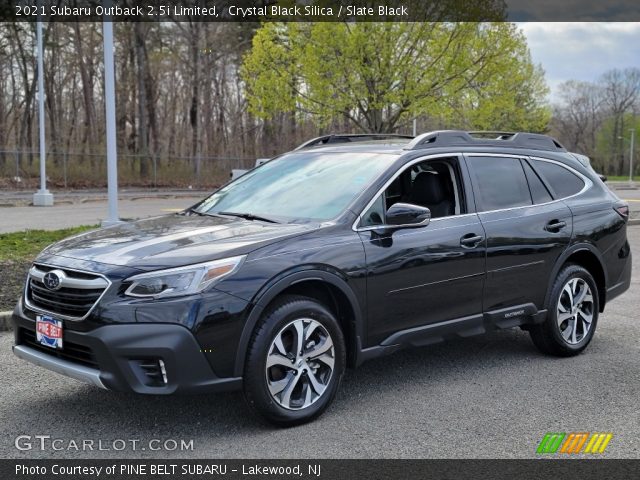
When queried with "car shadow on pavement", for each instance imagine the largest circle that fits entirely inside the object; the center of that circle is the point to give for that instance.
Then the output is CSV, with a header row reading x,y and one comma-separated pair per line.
x,y
377,381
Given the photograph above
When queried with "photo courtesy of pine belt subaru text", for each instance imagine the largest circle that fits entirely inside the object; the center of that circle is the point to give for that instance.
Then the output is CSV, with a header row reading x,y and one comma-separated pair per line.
x,y
348,248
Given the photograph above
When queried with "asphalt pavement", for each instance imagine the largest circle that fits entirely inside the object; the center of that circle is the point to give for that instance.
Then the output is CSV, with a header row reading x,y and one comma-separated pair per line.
x,y
65,215
492,396
628,193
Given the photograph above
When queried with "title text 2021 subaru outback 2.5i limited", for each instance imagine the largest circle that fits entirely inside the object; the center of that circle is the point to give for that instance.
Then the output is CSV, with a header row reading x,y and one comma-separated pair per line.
x,y
328,256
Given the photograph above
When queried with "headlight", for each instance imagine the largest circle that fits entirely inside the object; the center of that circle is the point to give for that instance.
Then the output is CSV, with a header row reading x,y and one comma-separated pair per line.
x,y
183,280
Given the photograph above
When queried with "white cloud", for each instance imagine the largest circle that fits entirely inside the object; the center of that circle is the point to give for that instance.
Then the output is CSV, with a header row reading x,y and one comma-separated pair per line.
x,y
582,51
573,10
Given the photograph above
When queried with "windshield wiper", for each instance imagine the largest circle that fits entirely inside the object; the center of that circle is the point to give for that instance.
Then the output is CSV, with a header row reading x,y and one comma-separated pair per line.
x,y
194,211
248,216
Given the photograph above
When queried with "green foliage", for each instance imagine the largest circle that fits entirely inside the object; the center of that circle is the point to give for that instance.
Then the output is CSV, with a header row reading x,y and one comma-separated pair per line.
x,y
511,93
608,143
25,245
381,75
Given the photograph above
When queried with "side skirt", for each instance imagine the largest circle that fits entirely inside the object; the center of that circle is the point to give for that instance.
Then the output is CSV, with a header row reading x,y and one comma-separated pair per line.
x,y
517,316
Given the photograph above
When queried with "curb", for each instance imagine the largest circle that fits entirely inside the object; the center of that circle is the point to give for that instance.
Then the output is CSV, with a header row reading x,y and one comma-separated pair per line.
x,y
634,221
5,322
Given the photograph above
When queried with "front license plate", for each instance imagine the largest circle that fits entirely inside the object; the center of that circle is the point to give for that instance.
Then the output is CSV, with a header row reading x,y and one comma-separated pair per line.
x,y
49,331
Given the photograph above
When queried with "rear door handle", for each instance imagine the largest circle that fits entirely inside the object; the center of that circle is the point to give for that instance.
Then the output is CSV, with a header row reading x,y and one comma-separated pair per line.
x,y
471,240
555,226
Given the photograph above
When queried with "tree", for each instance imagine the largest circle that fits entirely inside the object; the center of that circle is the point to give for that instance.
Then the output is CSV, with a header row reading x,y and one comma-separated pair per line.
x,y
621,93
594,118
381,75
146,111
604,138
579,115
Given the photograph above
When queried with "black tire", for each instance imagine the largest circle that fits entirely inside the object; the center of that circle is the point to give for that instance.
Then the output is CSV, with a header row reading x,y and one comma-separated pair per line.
x,y
547,336
283,316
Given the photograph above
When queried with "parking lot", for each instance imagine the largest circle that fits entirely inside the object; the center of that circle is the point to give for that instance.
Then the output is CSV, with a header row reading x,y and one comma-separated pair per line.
x,y
90,207
482,397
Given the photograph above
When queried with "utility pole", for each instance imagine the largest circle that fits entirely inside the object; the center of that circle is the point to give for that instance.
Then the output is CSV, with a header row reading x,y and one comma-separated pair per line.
x,y
42,198
633,137
110,112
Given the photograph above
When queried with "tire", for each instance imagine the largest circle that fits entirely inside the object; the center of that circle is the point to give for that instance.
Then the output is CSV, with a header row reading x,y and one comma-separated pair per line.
x,y
574,300
282,386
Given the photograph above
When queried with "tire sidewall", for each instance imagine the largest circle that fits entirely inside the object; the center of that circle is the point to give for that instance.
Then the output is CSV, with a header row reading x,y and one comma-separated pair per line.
x,y
255,383
565,276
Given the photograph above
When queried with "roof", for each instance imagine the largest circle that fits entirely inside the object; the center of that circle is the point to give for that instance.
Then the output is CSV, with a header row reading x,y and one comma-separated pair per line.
x,y
334,138
441,139
368,147
460,138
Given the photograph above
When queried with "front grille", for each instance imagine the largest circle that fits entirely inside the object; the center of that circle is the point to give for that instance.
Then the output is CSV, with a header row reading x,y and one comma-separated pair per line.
x,y
78,292
72,352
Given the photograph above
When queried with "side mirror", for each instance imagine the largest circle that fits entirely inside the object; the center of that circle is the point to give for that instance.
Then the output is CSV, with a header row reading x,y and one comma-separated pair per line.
x,y
602,177
408,215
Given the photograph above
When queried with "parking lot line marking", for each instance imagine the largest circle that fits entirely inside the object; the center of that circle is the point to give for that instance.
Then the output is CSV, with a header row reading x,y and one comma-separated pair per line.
x,y
172,209
631,199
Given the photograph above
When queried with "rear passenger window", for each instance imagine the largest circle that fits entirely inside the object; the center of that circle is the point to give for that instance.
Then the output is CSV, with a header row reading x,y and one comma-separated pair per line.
x,y
562,181
539,192
500,182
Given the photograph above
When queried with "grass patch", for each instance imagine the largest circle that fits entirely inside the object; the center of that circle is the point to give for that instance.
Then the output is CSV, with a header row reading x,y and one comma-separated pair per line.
x,y
25,245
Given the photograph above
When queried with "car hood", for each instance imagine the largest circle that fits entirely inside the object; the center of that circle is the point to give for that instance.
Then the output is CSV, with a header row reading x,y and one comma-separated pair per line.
x,y
173,240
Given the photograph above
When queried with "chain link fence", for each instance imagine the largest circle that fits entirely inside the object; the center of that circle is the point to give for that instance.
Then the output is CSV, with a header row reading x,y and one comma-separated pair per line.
x,y
21,169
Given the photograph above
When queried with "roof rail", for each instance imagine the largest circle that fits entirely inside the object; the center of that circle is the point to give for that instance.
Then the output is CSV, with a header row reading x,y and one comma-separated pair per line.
x,y
350,137
461,138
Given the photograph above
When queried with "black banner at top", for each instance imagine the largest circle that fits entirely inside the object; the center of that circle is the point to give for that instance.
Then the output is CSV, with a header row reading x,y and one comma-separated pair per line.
x,y
321,10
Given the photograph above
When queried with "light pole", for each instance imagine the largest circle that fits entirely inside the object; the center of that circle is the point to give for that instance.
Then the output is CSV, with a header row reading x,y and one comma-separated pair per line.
x,y
633,136
631,146
42,198
110,111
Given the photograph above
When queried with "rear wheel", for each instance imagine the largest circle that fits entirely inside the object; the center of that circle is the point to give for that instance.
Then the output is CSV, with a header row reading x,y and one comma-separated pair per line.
x,y
295,362
572,314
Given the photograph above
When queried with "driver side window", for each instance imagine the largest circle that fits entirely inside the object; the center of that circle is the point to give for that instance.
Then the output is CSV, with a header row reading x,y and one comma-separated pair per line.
x,y
434,184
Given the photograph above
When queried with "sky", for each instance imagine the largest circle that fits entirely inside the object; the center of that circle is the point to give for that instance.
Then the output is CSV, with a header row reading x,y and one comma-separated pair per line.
x,y
582,51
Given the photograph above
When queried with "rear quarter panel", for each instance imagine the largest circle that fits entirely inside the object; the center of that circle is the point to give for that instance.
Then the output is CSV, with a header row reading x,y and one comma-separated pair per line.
x,y
597,223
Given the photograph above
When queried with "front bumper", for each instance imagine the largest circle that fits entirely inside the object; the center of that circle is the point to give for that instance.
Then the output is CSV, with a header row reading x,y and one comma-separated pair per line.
x,y
64,367
113,357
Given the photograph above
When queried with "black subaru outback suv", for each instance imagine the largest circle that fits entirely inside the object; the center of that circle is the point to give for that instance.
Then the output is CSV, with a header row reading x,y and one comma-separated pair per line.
x,y
328,256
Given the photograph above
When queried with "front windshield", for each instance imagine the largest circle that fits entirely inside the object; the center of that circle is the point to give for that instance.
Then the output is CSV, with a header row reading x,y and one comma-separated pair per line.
x,y
299,186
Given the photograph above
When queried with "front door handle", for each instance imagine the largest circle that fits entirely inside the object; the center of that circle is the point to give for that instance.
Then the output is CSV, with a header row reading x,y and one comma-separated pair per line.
x,y
555,226
470,240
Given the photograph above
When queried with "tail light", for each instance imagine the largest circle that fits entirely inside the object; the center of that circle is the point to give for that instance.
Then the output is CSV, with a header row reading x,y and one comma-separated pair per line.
x,y
623,210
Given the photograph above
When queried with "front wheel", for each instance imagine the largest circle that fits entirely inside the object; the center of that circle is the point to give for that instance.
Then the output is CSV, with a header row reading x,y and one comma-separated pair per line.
x,y
295,362
572,314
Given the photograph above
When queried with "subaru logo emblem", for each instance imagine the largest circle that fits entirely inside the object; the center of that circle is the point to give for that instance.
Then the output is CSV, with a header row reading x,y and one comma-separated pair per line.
x,y
51,280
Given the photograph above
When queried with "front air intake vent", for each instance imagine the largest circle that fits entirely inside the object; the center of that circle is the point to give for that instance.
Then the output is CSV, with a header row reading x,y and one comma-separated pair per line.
x,y
152,371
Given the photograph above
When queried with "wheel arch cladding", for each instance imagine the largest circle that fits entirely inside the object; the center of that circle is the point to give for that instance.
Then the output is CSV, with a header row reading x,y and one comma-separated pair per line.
x,y
587,257
326,288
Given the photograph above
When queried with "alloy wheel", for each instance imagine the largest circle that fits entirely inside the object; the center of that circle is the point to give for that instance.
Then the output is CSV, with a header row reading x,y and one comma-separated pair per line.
x,y
300,363
575,310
